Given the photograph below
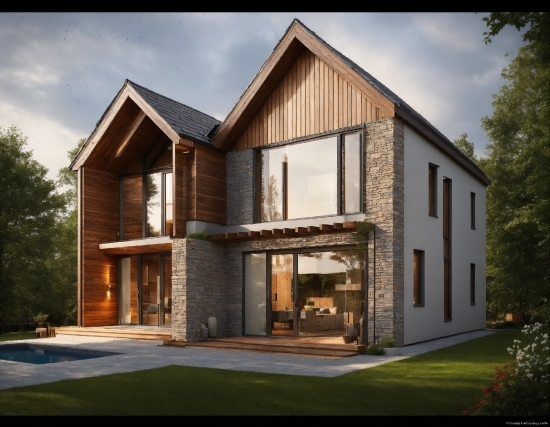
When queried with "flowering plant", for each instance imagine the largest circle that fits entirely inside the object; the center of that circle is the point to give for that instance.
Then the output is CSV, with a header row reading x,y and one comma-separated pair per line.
x,y
522,389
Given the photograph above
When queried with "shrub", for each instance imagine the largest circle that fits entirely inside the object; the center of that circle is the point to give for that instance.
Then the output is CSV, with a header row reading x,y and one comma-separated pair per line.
x,y
200,236
40,317
522,389
387,343
374,350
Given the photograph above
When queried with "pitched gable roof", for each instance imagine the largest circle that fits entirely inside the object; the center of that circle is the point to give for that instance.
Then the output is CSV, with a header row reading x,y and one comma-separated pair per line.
x,y
176,120
185,121
286,50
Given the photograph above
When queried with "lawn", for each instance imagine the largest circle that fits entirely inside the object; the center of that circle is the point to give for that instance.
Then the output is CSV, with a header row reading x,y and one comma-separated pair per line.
x,y
442,382
13,336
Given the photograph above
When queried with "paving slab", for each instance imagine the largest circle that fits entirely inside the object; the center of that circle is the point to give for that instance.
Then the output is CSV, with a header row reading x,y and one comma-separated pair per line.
x,y
137,355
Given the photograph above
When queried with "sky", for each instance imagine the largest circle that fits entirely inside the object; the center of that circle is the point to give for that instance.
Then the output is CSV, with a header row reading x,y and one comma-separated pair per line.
x,y
60,71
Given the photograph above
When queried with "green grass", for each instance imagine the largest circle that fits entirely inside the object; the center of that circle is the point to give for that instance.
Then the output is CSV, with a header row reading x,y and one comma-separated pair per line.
x,y
17,336
442,382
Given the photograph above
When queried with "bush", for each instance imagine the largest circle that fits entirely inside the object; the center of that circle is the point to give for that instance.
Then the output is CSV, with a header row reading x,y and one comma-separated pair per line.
x,y
374,350
387,343
522,389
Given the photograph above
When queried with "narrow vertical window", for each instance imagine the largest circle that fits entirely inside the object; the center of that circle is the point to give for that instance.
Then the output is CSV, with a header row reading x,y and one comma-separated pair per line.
x,y
472,284
447,248
432,190
418,272
352,173
473,211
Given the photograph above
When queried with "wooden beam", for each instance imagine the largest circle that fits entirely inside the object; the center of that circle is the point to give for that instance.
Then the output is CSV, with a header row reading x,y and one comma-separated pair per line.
x,y
253,234
289,231
312,229
242,234
137,121
101,128
277,231
348,224
338,226
301,230
153,115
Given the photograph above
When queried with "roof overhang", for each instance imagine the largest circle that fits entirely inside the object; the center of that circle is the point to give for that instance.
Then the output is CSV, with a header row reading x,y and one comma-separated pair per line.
x,y
106,121
445,146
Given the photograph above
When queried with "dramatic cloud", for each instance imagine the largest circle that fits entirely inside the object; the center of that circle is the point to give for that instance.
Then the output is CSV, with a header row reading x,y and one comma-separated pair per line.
x,y
59,72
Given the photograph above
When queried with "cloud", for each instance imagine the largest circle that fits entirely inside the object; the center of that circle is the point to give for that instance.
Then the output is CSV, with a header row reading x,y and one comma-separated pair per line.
x,y
49,140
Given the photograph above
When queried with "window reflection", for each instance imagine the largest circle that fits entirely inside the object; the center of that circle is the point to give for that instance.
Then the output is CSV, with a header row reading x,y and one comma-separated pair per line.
x,y
301,180
154,211
313,179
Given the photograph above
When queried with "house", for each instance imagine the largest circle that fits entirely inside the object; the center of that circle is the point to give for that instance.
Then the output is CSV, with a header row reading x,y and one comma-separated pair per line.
x,y
313,150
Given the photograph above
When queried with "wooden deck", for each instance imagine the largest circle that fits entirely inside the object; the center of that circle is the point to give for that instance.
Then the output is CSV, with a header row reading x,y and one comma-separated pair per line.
x,y
330,347
326,346
135,332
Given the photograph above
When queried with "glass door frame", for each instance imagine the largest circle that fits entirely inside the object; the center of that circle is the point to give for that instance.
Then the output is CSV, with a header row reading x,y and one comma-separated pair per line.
x,y
294,253
161,257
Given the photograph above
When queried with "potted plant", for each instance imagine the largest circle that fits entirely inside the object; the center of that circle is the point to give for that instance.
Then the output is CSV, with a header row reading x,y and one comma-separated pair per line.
x,y
40,319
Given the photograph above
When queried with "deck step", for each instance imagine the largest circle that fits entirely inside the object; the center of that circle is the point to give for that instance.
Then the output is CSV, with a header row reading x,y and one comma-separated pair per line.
x,y
302,349
103,332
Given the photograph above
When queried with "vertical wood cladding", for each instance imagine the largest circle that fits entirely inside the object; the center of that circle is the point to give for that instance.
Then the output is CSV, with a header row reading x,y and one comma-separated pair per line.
x,y
132,207
209,185
311,98
100,221
182,191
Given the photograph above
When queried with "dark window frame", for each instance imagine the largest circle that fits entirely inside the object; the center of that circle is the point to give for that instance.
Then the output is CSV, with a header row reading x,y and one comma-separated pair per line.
x,y
432,189
144,173
257,177
472,284
418,277
473,211
447,252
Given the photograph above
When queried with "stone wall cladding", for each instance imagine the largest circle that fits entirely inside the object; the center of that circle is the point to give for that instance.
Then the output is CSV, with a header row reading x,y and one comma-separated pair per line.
x,y
204,285
384,206
240,187
208,277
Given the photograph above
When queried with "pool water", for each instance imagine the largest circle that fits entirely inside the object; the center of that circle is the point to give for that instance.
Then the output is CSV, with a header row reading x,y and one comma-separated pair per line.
x,y
39,355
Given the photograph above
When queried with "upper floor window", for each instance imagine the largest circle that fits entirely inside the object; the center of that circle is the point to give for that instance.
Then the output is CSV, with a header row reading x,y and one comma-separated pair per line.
x,y
147,198
432,190
473,211
310,179
418,278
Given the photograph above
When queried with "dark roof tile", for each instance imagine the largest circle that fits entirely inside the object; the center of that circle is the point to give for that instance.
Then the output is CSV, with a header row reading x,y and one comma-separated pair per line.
x,y
185,121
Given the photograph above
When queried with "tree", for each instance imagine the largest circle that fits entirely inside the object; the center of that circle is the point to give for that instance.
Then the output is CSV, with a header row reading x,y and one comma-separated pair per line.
x,y
518,159
28,210
537,35
62,306
467,147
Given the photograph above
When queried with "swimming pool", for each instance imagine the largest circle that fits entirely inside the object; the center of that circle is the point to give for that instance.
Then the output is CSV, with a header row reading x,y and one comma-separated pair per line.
x,y
41,354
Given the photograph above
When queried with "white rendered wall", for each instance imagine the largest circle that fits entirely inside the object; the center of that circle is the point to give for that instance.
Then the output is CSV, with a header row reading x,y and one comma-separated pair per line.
x,y
425,233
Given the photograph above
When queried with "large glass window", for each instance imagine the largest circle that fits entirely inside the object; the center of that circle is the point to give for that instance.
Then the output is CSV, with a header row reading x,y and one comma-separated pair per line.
x,y
311,179
147,198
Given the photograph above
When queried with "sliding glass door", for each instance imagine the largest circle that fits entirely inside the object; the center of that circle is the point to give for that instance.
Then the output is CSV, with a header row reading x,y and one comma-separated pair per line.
x,y
304,292
145,290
